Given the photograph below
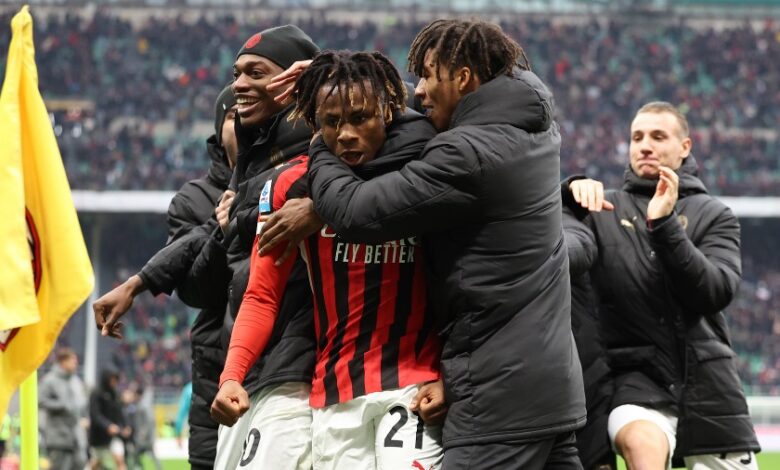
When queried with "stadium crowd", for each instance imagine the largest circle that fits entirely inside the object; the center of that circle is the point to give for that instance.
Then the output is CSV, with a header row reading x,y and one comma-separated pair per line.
x,y
150,89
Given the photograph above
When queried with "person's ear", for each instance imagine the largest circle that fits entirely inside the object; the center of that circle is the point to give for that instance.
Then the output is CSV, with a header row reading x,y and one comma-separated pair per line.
x,y
687,143
466,80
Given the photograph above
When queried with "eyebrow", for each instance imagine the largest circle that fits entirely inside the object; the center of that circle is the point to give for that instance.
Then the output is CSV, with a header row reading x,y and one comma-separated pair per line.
x,y
252,63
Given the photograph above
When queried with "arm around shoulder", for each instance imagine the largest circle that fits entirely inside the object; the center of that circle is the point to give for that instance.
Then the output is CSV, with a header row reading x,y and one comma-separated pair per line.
x,y
434,193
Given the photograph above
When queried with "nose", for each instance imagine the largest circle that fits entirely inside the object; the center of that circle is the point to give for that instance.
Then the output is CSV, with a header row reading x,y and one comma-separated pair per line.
x,y
240,84
645,146
419,90
347,134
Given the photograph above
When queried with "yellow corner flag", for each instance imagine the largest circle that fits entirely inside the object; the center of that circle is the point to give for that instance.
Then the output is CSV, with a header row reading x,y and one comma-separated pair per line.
x,y
46,274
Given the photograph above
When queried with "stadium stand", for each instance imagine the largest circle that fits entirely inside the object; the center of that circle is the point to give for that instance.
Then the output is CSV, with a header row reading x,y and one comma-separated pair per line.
x,y
132,96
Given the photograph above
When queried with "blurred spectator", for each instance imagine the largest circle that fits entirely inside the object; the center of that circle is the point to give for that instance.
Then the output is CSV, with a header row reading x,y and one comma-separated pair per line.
x,y
107,423
139,414
185,400
150,89
63,399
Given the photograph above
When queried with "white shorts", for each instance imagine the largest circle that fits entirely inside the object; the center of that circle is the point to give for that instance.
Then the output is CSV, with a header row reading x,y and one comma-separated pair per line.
x,y
375,431
274,433
667,422
117,447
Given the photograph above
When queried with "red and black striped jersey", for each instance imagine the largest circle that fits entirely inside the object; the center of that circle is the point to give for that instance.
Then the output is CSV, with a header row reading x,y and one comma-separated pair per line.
x,y
373,326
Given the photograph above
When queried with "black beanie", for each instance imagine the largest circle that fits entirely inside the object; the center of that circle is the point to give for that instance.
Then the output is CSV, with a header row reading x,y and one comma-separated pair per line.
x,y
282,45
225,101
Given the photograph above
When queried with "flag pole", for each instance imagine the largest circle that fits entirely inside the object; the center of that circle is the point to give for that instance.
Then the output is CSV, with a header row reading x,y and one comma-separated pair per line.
x,y
28,404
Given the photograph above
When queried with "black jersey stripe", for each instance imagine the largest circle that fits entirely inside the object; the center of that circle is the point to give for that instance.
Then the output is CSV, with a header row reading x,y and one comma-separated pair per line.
x,y
340,287
403,308
371,292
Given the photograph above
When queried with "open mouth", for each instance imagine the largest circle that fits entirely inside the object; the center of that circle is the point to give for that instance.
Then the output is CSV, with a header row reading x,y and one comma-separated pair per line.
x,y
351,157
246,105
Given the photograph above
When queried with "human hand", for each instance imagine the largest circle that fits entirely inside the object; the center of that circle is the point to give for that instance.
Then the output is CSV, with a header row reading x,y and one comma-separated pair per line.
x,y
127,431
429,403
590,195
230,403
112,429
666,193
112,306
288,77
223,209
295,221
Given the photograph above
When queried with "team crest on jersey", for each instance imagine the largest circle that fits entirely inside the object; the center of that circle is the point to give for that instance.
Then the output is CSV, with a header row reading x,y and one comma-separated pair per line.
x,y
35,250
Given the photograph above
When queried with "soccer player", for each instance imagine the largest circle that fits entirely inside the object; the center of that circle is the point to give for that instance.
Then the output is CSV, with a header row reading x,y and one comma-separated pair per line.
x,y
375,338
280,380
486,196
669,263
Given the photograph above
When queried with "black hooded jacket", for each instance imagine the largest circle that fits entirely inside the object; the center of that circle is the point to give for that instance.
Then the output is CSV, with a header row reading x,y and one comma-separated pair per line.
x,y
289,356
486,196
662,291
105,409
191,221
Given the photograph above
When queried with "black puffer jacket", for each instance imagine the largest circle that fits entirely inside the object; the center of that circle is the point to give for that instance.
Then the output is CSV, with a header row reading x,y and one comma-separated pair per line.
x,y
191,221
662,292
105,409
592,440
486,195
289,356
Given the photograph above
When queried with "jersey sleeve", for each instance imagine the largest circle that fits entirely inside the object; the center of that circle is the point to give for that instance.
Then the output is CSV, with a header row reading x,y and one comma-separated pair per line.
x,y
257,315
259,307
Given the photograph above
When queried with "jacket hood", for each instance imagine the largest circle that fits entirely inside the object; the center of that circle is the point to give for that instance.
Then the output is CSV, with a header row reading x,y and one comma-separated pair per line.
x,y
105,378
689,180
219,171
522,101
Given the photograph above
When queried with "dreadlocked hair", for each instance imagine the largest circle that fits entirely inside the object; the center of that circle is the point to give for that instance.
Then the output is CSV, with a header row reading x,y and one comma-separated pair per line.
x,y
481,46
341,70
